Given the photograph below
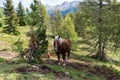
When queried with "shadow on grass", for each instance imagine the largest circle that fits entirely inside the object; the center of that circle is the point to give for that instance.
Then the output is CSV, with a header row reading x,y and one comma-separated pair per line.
x,y
89,70
100,71
91,60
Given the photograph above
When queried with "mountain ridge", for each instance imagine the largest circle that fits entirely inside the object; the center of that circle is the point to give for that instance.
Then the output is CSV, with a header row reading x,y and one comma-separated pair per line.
x,y
65,7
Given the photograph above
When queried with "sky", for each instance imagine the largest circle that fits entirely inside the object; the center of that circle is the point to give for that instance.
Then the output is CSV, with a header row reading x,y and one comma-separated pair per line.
x,y
54,2
26,3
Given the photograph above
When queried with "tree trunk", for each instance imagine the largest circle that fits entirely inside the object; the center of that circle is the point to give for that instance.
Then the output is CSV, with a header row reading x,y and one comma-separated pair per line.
x,y
101,55
32,44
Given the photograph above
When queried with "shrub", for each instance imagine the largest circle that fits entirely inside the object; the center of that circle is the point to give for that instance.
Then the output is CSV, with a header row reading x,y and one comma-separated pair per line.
x,y
18,45
0,24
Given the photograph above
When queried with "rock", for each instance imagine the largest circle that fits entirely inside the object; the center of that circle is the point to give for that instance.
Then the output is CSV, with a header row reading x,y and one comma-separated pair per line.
x,y
64,64
67,73
59,63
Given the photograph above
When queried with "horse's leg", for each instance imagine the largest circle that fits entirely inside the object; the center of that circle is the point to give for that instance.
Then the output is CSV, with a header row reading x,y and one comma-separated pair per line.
x,y
58,55
68,55
64,59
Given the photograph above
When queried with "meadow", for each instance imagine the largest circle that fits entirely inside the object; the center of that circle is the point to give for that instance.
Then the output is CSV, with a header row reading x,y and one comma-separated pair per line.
x,y
80,66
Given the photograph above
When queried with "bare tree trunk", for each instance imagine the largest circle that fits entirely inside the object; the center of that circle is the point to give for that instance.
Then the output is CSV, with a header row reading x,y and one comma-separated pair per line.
x,y
32,45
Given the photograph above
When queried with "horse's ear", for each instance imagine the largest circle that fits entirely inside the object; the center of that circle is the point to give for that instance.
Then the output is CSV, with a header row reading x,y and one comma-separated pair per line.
x,y
53,37
58,37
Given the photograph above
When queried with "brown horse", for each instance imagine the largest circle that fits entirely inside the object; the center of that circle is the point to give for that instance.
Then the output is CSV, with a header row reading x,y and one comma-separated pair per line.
x,y
62,46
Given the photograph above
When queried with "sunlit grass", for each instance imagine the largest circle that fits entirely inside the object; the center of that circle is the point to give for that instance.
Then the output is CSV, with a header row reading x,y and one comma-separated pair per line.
x,y
7,73
7,40
82,58
16,76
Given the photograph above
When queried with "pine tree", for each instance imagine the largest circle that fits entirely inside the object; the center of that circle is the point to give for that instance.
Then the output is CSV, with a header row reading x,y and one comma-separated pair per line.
x,y
44,14
97,27
68,31
115,24
38,43
21,14
1,17
10,18
57,20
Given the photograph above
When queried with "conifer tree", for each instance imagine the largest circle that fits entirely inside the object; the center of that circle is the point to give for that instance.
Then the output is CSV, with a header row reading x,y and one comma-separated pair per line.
x,y
98,24
21,15
57,22
10,18
38,42
68,31
44,14
1,16
68,28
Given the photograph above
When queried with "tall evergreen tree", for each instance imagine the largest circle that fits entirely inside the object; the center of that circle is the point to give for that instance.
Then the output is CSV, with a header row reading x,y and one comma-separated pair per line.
x,y
21,15
57,20
97,25
44,14
115,24
10,18
52,28
38,42
68,31
1,17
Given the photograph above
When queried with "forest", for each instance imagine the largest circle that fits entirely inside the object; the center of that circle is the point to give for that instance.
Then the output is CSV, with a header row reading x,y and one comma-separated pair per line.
x,y
27,47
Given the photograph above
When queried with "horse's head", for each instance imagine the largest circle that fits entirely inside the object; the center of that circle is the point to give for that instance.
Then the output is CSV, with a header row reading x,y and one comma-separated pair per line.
x,y
56,43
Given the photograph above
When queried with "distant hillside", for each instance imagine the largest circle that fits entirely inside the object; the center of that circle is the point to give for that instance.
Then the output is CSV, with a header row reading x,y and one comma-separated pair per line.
x,y
65,7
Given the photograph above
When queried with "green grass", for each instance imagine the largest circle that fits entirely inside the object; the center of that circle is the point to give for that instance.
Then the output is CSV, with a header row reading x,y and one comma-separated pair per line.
x,y
8,40
7,73
16,76
79,56
76,74
2,59
83,59
73,72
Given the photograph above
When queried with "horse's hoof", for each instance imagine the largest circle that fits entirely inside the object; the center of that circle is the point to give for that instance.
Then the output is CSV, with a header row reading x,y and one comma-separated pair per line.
x,y
59,63
64,64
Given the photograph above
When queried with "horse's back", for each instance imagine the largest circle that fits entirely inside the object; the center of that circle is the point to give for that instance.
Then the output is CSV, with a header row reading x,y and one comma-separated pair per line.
x,y
65,46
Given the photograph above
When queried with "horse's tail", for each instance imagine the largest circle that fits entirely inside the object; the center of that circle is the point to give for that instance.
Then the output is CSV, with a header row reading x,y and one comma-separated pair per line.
x,y
69,49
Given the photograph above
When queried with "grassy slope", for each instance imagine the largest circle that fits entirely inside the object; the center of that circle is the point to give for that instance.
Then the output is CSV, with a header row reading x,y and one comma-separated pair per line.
x,y
7,70
7,40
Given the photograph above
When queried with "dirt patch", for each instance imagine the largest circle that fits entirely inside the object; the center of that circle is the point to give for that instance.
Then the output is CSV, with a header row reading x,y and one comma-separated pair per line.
x,y
108,73
96,70
104,71
3,43
8,55
44,70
